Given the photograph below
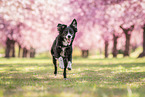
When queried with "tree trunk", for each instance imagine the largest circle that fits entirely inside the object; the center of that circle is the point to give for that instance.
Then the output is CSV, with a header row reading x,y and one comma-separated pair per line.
x,y
32,53
25,51
106,49
115,45
8,48
85,53
13,48
19,53
127,44
143,53
127,32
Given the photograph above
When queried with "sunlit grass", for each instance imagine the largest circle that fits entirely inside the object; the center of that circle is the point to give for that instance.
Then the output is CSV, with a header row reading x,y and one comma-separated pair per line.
x,y
122,77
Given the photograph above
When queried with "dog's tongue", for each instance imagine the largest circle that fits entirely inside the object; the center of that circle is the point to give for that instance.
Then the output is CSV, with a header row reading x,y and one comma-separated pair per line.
x,y
68,40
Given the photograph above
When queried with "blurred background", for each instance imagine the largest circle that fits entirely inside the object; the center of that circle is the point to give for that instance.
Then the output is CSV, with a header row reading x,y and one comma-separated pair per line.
x,y
106,28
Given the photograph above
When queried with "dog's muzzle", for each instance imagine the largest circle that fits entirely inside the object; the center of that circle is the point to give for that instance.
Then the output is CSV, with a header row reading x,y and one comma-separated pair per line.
x,y
68,39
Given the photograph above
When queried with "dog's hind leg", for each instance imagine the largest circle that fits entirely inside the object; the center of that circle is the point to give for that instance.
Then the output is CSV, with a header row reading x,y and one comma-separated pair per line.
x,y
55,65
65,66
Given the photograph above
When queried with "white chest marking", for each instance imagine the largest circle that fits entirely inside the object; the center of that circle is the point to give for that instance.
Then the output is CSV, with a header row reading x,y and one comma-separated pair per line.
x,y
63,51
65,43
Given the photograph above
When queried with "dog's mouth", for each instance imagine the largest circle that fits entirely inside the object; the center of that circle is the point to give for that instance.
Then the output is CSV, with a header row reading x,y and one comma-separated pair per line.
x,y
69,40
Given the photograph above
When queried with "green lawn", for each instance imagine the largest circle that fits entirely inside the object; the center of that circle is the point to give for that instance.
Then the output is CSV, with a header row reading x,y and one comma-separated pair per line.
x,y
122,77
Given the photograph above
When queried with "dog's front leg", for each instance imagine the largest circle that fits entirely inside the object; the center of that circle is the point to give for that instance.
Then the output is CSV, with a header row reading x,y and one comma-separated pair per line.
x,y
65,66
69,66
61,62
57,56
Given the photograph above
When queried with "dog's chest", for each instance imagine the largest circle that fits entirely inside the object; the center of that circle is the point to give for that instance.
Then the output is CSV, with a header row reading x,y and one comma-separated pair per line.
x,y
63,51
65,43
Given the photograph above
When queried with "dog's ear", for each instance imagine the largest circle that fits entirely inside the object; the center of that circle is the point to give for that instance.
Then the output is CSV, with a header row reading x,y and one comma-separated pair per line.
x,y
61,27
74,25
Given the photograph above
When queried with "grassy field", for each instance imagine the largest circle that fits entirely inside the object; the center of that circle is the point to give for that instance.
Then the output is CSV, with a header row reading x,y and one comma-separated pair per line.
x,y
122,77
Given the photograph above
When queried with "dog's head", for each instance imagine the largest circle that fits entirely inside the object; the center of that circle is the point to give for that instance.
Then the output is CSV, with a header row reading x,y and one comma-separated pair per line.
x,y
67,32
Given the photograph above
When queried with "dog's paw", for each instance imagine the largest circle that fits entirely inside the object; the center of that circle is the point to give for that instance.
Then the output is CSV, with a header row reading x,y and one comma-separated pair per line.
x,y
65,78
55,73
61,63
69,65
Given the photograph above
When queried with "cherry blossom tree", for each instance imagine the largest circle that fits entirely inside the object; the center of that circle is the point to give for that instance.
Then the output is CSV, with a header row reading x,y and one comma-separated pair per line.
x,y
102,24
88,17
38,19
133,15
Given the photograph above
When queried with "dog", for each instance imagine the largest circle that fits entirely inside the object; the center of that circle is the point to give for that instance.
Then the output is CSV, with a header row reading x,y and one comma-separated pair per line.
x,y
61,49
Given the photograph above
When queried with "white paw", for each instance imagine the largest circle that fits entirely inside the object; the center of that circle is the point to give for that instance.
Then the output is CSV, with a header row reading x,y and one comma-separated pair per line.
x,y
61,63
65,78
69,65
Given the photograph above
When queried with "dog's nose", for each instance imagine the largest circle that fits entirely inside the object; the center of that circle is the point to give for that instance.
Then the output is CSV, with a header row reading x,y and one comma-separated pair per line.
x,y
69,36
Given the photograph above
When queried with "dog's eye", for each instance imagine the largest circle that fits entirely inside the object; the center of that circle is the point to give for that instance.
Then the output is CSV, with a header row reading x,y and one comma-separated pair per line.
x,y
65,32
71,32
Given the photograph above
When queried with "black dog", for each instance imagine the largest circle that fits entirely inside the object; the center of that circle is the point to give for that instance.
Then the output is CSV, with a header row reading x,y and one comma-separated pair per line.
x,y
61,49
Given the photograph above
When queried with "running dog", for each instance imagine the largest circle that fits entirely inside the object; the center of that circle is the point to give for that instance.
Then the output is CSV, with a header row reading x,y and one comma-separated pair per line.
x,y
61,49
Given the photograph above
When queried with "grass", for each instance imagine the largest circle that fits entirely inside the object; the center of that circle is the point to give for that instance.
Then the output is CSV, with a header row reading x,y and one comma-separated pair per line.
x,y
122,77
